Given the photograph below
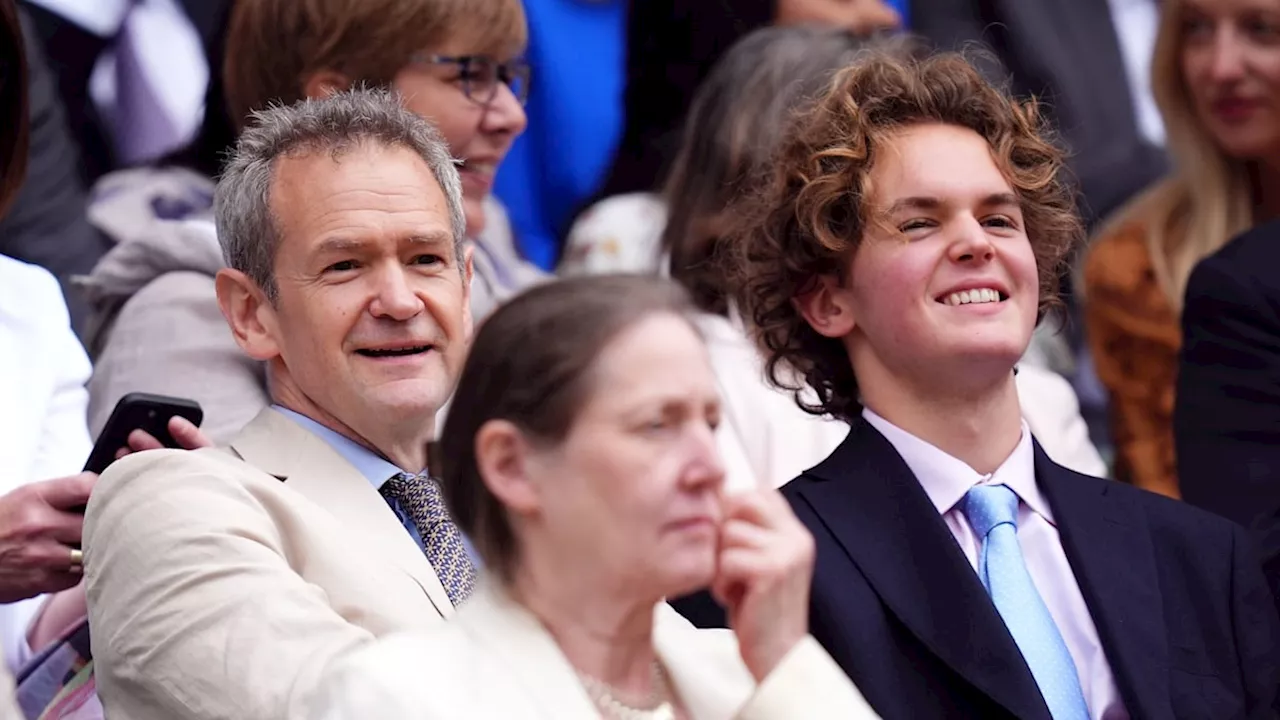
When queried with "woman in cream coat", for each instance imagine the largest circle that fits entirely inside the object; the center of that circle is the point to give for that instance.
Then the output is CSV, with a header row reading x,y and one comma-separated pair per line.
x,y
580,458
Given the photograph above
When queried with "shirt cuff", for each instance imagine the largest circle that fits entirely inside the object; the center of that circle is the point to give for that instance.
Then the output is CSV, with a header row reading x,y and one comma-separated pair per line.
x,y
807,683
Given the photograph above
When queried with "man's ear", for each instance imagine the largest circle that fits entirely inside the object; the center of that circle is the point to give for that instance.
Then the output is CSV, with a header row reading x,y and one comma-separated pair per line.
x,y
827,307
251,317
323,83
503,457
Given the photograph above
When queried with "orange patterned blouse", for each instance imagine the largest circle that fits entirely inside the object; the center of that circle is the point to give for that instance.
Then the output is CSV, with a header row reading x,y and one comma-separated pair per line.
x,y
1135,337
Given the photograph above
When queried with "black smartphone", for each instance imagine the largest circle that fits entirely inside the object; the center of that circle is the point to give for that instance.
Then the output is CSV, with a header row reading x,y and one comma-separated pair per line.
x,y
140,411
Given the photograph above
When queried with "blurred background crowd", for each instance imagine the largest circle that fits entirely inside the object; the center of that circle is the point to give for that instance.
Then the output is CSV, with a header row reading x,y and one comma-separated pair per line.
x,y
604,136
134,103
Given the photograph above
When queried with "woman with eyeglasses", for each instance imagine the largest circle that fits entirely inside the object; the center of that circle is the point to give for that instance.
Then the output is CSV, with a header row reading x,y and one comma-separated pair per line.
x,y
456,62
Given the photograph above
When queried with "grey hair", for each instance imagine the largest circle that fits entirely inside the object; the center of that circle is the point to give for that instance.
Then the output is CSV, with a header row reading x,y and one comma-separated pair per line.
x,y
247,228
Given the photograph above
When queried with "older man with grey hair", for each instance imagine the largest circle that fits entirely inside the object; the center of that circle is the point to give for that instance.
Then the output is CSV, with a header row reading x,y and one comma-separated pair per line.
x,y
222,582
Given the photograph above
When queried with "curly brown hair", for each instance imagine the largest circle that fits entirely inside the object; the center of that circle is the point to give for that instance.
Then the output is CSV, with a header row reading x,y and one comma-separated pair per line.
x,y
810,212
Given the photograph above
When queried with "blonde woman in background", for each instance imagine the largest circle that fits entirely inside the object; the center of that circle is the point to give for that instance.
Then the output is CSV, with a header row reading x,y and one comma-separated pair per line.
x,y
1216,75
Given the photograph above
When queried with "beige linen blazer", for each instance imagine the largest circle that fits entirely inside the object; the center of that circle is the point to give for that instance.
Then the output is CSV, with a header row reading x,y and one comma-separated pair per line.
x,y
222,583
495,660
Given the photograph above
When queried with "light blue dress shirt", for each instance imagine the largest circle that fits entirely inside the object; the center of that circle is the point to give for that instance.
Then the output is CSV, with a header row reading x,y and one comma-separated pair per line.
x,y
377,470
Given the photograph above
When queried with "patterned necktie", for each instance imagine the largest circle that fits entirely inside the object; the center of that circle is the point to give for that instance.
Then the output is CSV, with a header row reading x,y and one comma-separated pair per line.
x,y
992,511
420,497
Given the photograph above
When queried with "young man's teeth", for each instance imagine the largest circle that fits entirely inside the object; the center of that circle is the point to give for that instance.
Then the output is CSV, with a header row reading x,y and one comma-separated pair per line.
x,y
967,297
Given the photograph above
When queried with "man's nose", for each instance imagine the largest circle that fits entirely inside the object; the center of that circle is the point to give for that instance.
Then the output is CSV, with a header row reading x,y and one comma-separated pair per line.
x,y
394,297
971,243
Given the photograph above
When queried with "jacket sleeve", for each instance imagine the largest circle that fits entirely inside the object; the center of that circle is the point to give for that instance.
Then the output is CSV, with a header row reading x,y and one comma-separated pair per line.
x,y
195,611
806,684
64,438
1257,631
1227,407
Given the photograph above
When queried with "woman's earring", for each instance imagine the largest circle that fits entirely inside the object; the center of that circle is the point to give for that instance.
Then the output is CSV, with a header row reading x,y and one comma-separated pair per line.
x,y
1015,371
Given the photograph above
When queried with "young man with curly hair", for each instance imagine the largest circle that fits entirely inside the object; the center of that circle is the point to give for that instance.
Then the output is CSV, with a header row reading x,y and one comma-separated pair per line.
x,y
897,261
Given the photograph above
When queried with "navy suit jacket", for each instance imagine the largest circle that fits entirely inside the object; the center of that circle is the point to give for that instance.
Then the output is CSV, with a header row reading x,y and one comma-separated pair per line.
x,y
1226,417
1227,412
1182,612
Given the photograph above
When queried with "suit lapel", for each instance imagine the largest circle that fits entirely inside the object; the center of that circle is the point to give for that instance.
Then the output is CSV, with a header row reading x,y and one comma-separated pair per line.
x,y
883,520
529,655
1108,545
709,687
280,447
695,660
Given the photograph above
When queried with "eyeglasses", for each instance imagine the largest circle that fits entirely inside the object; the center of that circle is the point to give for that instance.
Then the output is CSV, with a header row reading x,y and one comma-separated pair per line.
x,y
481,74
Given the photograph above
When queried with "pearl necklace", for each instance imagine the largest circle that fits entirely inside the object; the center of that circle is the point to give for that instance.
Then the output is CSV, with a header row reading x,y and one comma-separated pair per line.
x,y
658,707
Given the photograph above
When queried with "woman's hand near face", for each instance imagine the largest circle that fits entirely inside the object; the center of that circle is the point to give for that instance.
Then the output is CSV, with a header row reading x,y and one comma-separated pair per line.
x,y
763,576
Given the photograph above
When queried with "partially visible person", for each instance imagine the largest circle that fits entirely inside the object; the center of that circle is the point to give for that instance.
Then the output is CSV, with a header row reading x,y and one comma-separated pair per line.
x,y
577,51
455,62
130,74
1216,74
672,45
42,375
1226,418
913,231
736,121
48,224
222,582
1227,413
581,459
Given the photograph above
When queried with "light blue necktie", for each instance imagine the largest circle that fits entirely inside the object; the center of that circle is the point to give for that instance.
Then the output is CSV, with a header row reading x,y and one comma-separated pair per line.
x,y
992,511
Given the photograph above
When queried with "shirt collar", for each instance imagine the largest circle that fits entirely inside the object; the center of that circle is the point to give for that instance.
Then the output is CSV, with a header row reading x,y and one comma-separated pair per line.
x,y
946,479
377,470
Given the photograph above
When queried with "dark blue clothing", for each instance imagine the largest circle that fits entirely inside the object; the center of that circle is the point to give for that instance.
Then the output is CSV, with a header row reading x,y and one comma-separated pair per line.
x,y
576,51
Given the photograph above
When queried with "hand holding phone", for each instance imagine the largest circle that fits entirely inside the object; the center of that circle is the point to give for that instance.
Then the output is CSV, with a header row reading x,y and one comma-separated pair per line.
x,y
153,417
184,433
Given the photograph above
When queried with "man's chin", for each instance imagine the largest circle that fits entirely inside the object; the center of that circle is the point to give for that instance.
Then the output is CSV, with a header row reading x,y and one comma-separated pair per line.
x,y
407,400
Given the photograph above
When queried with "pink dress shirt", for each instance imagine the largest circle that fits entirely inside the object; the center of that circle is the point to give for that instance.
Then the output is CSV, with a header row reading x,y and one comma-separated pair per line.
x,y
946,479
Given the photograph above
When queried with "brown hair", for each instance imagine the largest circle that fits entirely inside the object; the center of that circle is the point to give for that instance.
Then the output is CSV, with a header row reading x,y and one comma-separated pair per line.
x,y
810,214
734,124
14,123
532,364
274,45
